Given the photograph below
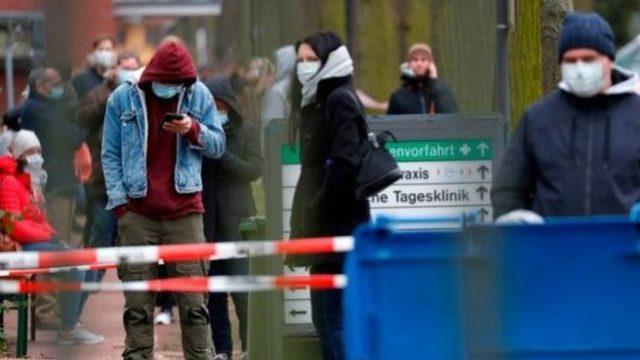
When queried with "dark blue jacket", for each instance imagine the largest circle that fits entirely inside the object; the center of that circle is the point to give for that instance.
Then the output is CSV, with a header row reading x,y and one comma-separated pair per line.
x,y
52,121
574,156
86,81
422,95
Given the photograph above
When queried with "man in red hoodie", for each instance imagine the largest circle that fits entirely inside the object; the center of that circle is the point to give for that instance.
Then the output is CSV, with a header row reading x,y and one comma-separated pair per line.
x,y
152,174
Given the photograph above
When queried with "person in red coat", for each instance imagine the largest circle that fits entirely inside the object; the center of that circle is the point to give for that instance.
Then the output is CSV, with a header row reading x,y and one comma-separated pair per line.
x,y
21,182
21,196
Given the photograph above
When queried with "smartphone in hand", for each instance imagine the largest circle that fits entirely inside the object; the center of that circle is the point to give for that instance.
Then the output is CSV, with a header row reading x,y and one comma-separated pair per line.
x,y
169,117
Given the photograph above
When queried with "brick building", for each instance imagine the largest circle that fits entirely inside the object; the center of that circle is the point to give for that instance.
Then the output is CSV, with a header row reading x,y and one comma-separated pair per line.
x,y
67,30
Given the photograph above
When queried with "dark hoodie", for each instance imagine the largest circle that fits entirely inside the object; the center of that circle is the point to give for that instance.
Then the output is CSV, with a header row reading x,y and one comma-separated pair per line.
x,y
228,197
171,63
421,95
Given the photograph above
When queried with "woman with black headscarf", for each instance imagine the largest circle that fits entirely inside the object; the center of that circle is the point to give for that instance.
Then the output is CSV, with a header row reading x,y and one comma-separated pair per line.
x,y
327,119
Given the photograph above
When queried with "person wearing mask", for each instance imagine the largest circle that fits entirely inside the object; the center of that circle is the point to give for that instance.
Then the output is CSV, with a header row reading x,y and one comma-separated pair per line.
x,y
575,152
421,91
22,179
228,199
91,118
327,119
102,59
152,170
276,104
102,224
49,111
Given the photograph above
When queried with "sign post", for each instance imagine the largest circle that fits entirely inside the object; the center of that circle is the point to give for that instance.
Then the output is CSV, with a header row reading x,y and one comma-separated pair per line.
x,y
448,162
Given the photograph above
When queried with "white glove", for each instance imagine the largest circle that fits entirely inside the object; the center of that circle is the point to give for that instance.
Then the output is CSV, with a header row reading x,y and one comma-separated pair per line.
x,y
520,216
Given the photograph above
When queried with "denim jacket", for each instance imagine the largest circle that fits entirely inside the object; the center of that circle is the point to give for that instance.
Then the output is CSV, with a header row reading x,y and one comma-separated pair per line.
x,y
124,142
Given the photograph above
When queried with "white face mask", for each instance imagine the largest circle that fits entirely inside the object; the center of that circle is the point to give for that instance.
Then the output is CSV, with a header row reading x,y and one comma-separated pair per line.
x,y
33,166
104,58
584,79
306,71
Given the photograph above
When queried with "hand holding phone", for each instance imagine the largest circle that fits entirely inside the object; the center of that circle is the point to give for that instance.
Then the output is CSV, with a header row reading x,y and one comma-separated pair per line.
x,y
176,123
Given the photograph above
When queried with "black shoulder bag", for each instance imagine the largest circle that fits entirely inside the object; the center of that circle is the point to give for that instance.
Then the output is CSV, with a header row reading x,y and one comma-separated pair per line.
x,y
378,169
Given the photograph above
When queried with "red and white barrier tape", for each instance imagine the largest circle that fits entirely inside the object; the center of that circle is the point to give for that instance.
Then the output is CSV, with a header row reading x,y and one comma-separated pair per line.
x,y
173,253
54,270
222,284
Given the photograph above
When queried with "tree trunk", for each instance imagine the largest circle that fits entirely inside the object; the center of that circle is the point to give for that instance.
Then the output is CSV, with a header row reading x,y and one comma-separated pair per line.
x,y
525,60
584,5
464,45
553,13
377,52
413,24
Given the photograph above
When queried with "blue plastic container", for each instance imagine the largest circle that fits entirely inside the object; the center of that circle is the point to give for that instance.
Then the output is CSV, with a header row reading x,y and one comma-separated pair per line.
x,y
403,300
569,289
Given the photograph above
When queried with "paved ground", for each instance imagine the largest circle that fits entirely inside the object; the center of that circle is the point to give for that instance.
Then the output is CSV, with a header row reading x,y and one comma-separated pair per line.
x,y
103,314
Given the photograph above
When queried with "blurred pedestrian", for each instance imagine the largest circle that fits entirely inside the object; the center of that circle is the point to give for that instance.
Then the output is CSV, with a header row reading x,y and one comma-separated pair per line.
x,y
276,104
228,200
328,121
259,78
422,92
168,122
91,117
22,179
100,61
50,112
103,224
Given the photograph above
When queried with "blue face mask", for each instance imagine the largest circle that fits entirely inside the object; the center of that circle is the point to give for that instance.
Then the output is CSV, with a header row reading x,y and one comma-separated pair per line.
x,y
56,93
165,91
126,76
224,118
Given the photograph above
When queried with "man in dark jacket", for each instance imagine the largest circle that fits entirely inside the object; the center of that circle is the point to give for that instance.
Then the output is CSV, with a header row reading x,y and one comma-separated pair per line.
x,y
100,60
49,111
576,152
102,223
91,117
228,199
421,91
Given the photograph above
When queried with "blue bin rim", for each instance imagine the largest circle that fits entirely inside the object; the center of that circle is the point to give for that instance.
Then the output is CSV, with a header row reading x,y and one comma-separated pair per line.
x,y
562,221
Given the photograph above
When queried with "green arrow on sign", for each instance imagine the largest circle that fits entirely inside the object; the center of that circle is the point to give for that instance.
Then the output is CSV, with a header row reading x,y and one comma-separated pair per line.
x,y
420,150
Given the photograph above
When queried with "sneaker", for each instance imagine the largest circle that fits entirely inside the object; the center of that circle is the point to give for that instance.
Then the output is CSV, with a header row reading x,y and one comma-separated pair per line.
x,y
78,336
164,318
221,357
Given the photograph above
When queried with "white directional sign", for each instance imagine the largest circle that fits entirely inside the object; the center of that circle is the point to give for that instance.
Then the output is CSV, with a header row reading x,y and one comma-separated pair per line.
x,y
440,178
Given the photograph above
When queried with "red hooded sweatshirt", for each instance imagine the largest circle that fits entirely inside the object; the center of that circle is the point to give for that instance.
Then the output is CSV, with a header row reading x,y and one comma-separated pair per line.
x,y
29,224
171,63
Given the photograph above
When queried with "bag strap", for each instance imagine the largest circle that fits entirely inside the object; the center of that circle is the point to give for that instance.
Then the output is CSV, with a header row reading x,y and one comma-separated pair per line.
x,y
380,138
365,126
363,123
